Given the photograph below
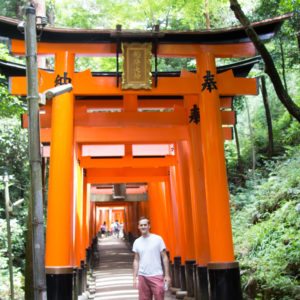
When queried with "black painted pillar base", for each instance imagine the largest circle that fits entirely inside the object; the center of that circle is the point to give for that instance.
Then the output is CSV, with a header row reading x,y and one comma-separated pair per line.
x,y
189,277
171,266
182,278
177,264
79,280
59,286
225,281
88,256
202,278
196,282
83,267
75,283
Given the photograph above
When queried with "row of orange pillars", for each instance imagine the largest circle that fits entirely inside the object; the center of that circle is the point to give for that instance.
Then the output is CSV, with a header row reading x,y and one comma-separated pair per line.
x,y
215,280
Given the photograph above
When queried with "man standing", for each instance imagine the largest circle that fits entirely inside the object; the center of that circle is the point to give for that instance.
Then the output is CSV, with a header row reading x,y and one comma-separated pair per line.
x,y
149,254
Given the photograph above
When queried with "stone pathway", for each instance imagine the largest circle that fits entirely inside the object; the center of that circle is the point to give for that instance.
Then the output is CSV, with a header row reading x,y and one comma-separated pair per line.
x,y
113,275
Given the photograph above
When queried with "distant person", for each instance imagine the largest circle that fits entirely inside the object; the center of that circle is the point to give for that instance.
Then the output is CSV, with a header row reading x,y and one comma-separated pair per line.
x,y
112,228
117,228
103,229
151,264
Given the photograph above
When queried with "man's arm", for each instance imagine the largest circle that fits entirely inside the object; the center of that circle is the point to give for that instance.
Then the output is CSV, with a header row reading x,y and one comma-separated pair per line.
x,y
136,262
165,261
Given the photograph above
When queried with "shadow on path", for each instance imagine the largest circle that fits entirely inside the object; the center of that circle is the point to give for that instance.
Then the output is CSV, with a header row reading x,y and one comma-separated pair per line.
x,y
113,273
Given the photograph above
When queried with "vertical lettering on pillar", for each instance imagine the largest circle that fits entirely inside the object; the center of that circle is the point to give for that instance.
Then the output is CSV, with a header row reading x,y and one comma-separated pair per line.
x,y
196,177
216,189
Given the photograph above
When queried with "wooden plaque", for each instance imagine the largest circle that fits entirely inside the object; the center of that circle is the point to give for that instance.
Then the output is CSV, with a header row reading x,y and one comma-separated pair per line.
x,y
136,66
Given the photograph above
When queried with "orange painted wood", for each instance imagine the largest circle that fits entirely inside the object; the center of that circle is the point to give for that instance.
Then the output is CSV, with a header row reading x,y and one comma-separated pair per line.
x,y
84,215
134,219
216,189
193,153
122,175
155,215
92,222
87,211
165,50
228,85
110,204
129,119
85,84
142,103
175,193
171,231
45,81
184,174
131,226
130,103
228,117
60,197
181,202
88,162
132,135
226,102
18,47
227,133
79,246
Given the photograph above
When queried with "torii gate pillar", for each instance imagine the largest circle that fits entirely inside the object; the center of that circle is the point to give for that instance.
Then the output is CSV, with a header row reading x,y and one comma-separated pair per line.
x,y
223,271
59,239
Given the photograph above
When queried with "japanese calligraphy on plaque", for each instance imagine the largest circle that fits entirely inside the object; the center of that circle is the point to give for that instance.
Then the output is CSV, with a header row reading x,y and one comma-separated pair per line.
x,y
136,66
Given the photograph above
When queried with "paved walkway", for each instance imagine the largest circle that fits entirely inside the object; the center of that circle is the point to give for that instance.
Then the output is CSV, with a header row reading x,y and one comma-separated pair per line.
x,y
113,275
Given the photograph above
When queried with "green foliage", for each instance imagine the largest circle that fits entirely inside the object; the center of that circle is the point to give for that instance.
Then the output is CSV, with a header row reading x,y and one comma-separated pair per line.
x,y
12,8
144,14
265,222
266,229
18,259
13,159
100,64
9,105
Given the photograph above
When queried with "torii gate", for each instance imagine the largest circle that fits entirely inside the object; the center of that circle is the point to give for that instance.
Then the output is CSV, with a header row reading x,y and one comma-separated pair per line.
x,y
188,199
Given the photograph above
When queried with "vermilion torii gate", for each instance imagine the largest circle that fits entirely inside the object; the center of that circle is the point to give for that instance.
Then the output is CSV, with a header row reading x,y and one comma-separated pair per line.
x,y
187,193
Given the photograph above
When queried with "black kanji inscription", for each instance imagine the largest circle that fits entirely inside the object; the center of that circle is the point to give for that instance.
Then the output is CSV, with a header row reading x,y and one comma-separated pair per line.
x,y
209,82
59,80
195,114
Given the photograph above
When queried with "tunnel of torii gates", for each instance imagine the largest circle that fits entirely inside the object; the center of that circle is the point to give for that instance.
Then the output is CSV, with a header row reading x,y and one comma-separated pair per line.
x,y
121,153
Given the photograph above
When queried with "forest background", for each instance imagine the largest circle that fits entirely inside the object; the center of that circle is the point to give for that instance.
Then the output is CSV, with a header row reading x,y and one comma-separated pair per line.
x,y
262,162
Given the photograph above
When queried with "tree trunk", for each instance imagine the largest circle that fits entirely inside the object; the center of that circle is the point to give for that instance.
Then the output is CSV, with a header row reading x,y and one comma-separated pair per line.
x,y
238,150
268,116
251,139
271,70
282,62
206,14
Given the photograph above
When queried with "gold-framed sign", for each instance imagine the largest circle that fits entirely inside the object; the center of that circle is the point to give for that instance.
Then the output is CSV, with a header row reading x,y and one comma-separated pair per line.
x,y
136,66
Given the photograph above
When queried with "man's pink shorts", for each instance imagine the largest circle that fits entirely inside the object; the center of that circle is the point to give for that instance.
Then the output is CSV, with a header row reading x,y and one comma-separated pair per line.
x,y
150,286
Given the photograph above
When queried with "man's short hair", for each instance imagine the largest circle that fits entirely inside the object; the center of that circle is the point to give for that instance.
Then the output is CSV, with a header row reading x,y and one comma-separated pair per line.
x,y
143,218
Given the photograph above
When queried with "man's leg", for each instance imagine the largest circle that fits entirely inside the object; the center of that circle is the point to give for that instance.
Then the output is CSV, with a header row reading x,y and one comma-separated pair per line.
x,y
144,289
157,286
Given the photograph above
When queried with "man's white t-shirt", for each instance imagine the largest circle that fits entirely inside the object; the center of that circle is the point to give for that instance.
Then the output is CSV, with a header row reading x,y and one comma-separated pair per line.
x,y
149,249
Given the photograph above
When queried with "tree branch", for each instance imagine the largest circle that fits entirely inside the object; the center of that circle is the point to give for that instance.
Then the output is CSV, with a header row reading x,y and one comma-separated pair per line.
x,y
271,70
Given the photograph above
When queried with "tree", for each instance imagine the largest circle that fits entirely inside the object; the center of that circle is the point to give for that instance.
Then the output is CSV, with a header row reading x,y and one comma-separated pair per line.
x,y
268,116
270,68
